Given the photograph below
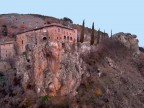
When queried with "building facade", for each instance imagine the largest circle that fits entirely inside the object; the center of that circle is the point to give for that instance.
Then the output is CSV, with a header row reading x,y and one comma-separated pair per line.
x,y
51,32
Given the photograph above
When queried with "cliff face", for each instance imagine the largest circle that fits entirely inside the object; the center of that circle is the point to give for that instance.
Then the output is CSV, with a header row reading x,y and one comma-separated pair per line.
x,y
54,69
74,75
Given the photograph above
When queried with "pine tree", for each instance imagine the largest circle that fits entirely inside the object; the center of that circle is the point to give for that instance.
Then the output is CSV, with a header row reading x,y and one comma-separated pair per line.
x,y
111,33
103,36
98,37
104,33
82,32
92,35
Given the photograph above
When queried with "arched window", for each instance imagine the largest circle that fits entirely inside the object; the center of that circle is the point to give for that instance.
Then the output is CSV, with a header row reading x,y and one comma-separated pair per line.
x,y
67,37
70,38
44,38
64,37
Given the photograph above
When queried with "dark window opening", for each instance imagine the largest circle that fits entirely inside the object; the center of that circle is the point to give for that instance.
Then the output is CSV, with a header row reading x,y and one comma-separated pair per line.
x,y
64,37
28,60
44,38
6,53
57,37
29,86
48,23
70,38
22,41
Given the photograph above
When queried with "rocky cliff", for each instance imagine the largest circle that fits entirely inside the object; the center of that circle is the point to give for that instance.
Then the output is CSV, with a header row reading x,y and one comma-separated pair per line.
x,y
62,75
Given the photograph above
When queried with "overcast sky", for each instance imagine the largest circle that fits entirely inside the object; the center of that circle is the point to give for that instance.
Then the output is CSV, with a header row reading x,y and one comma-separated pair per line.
x,y
118,15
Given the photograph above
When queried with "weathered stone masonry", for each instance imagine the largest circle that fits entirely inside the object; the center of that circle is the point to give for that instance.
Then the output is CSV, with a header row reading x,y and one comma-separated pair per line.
x,y
52,32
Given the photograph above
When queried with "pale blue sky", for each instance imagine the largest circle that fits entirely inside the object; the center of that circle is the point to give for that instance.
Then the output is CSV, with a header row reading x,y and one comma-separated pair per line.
x,y
118,15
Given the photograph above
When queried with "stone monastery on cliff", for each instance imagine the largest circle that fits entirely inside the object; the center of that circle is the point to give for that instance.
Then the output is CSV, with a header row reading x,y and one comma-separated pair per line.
x,y
52,32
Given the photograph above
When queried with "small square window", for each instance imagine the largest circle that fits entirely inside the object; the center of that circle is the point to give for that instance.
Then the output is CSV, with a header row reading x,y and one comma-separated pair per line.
x,y
58,30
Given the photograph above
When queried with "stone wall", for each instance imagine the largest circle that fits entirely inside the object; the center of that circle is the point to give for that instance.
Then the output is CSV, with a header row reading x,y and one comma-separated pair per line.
x,y
62,34
7,51
38,37
21,41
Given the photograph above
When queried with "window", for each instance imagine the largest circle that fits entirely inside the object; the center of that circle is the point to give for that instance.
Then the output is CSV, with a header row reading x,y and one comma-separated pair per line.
x,y
57,37
70,38
58,30
6,53
44,38
64,37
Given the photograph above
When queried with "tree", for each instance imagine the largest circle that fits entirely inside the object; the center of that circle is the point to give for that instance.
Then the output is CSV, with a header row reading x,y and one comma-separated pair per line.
x,y
82,32
67,20
4,30
111,33
98,37
104,34
92,35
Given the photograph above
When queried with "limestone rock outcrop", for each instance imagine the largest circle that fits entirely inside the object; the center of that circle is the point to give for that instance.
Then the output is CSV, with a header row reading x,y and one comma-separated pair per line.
x,y
128,40
54,68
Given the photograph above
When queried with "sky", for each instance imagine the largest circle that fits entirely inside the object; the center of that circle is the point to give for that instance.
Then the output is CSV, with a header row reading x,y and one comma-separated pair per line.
x,y
118,15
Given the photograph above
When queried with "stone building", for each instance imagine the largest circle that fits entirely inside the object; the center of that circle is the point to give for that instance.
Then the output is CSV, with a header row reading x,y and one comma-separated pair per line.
x,y
51,32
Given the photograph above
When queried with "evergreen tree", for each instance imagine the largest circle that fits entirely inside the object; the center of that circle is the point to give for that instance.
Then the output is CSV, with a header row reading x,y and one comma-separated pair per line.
x,y
82,32
104,33
92,35
98,37
111,33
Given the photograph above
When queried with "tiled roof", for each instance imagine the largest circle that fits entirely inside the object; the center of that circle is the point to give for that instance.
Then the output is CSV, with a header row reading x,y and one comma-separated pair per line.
x,y
49,25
